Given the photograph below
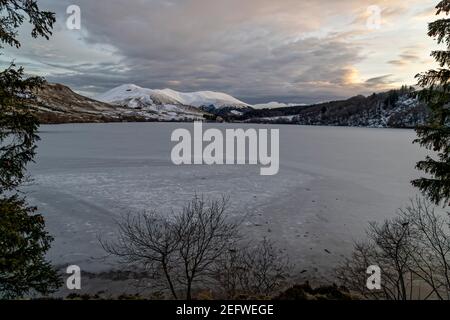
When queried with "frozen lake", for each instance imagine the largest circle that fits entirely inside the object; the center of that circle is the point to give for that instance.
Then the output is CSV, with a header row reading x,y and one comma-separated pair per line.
x,y
332,182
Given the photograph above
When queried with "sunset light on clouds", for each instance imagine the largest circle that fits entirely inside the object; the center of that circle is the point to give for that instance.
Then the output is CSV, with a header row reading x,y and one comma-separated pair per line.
x,y
256,50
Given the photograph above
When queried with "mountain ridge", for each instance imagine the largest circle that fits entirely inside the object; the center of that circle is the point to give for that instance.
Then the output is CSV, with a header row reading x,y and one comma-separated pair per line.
x,y
56,103
134,96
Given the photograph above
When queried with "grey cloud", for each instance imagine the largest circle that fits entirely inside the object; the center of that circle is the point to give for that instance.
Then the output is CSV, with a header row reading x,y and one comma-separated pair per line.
x,y
397,62
408,56
382,80
244,48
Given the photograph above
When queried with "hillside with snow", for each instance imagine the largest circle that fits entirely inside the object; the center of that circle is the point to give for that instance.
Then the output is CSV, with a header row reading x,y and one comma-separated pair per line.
x,y
392,109
56,103
276,105
136,97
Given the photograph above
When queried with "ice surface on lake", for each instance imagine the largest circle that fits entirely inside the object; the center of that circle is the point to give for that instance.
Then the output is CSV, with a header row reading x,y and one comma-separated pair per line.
x,y
332,181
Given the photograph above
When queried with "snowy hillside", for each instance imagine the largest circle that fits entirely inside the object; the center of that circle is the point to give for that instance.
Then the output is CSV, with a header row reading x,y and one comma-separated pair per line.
x,y
392,109
275,105
136,97
56,103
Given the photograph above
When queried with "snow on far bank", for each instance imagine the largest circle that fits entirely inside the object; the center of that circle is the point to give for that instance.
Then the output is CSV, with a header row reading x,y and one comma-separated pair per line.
x,y
274,105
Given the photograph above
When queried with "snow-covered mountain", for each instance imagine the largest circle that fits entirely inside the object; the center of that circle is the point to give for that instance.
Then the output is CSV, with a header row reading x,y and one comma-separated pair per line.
x,y
56,103
133,96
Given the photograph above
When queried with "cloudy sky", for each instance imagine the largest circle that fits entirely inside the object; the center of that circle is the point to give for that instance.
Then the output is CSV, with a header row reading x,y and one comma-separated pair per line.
x,y
298,51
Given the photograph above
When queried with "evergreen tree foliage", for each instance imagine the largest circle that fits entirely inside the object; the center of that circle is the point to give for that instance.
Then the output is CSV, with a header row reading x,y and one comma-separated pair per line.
x,y
23,239
435,135
23,242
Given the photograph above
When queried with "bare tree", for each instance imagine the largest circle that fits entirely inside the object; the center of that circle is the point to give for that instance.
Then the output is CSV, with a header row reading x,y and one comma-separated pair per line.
x,y
146,240
430,235
412,251
388,247
352,272
258,270
203,234
181,249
